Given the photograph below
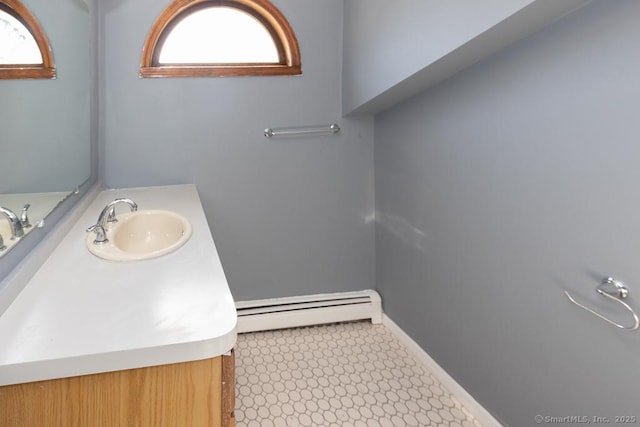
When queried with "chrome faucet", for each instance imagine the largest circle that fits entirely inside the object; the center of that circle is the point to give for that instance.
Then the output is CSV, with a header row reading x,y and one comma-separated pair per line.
x,y
108,214
17,230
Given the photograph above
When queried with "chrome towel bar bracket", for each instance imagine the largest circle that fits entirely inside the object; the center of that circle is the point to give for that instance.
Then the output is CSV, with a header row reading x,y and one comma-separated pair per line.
x,y
615,291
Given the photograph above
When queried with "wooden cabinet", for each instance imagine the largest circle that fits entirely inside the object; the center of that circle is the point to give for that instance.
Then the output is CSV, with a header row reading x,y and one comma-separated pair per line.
x,y
195,394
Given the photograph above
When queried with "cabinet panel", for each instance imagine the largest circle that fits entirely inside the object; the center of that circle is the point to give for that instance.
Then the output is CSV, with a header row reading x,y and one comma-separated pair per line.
x,y
228,390
181,394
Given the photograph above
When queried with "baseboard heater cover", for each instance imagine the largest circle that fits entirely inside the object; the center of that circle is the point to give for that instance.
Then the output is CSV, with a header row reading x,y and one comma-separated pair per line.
x,y
291,312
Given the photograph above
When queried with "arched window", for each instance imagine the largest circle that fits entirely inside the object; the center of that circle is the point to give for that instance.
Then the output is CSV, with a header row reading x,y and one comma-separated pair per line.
x,y
25,52
207,38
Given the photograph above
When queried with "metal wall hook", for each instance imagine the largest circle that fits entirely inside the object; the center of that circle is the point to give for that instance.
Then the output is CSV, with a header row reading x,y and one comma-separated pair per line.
x,y
616,291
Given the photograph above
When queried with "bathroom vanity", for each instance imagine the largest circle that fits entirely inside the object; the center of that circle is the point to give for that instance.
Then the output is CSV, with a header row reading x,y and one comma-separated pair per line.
x,y
96,342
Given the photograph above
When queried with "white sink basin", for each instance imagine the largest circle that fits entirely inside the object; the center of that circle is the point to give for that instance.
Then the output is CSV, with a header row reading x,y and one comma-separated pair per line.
x,y
142,235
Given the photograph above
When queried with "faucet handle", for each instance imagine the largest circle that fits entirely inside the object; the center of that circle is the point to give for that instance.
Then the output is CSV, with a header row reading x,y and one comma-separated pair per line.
x,y
112,215
2,246
101,235
24,219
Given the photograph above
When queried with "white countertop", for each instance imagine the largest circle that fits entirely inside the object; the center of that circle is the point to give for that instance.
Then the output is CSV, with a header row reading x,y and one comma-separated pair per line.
x,y
82,315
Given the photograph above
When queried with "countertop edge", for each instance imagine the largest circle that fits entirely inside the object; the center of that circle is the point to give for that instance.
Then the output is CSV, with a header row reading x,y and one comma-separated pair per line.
x,y
101,363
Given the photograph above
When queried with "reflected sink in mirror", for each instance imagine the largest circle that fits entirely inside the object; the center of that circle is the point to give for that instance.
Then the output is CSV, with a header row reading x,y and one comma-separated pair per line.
x,y
142,235
5,233
41,204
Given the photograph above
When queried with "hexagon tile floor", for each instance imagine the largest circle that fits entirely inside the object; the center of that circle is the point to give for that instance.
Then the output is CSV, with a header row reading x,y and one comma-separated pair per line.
x,y
347,374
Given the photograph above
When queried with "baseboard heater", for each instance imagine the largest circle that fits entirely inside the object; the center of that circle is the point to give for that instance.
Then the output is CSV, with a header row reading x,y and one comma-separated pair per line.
x,y
291,312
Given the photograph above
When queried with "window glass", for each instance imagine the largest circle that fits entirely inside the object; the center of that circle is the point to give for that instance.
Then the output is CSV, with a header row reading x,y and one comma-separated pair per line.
x,y
17,45
220,38
218,35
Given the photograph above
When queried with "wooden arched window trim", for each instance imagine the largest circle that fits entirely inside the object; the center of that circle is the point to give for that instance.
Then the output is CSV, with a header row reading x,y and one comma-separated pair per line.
x,y
273,20
45,70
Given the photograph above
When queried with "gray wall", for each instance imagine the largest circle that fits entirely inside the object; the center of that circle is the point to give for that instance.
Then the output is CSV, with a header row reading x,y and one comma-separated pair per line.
x,y
400,46
504,186
290,216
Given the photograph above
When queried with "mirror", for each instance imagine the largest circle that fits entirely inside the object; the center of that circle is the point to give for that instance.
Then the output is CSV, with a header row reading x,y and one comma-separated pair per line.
x,y
45,125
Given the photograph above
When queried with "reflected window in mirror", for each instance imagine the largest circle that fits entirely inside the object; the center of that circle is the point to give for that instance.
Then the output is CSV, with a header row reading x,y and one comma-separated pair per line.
x,y
25,52
212,38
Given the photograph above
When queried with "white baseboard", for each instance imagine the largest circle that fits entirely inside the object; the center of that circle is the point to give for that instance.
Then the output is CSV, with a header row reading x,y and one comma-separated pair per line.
x,y
474,408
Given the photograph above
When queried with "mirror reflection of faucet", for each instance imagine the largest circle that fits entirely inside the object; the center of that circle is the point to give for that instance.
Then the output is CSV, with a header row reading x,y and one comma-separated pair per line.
x,y
15,224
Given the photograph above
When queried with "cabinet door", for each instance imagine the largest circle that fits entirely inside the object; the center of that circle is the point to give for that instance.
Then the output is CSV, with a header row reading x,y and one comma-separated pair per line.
x,y
180,394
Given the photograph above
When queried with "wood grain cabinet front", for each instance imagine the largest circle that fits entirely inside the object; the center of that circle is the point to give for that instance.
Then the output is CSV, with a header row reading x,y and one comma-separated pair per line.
x,y
195,394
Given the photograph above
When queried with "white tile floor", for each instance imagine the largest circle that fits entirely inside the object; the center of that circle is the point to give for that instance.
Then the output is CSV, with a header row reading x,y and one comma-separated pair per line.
x,y
347,374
